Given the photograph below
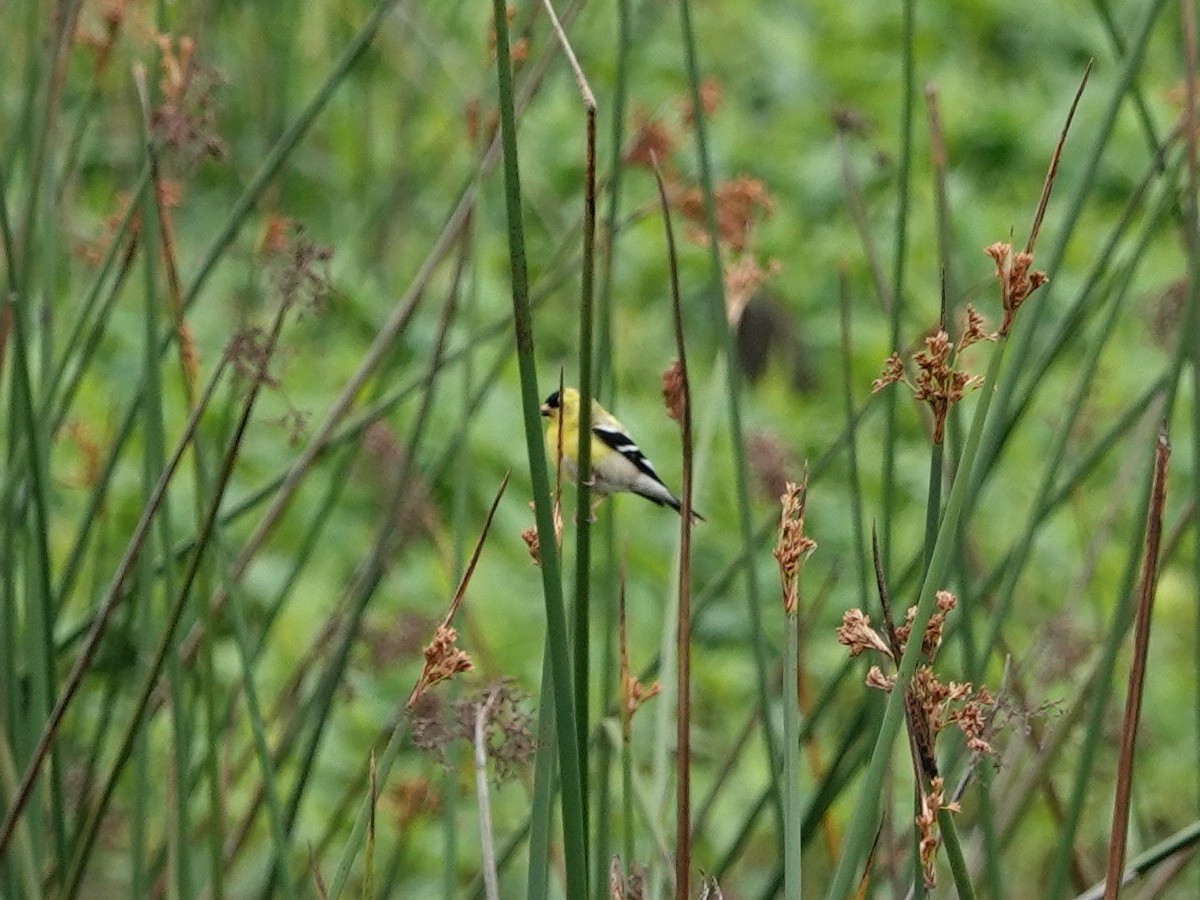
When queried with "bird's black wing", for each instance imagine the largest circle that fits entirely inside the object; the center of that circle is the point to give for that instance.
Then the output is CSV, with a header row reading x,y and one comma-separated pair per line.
x,y
616,439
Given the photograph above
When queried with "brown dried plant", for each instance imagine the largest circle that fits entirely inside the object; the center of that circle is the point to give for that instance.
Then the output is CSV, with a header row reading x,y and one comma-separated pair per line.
x,y
1017,280
740,203
712,97
626,887
443,658
933,801
530,535
185,120
794,545
103,30
938,383
674,395
518,50
298,264
941,704
931,706
652,139
509,738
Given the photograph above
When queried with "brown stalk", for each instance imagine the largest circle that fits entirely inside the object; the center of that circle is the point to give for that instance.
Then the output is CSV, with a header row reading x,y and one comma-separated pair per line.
x,y
448,620
373,793
919,738
1052,172
1137,672
683,831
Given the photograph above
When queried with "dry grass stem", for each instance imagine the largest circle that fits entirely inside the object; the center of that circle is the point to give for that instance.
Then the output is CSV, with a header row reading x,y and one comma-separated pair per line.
x,y
1147,587
1052,171
443,658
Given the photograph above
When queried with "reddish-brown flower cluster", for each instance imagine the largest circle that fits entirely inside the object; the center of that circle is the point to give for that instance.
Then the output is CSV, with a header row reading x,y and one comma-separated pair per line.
x,y
941,704
634,693
518,49
443,660
933,801
712,95
299,265
930,704
673,394
530,535
653,140
186,118
1017,282
740,203
938,383
794,545
508,736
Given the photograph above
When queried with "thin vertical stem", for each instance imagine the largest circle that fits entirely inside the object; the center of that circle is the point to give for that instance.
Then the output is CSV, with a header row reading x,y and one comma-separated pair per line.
x,y
717,314
1137,672
557,635
583,525
904,174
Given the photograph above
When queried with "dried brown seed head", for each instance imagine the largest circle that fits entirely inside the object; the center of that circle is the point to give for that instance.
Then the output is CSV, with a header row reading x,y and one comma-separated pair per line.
x,y
673,393
652,139
739,205
794,545
443,660
893,371
711,97
1017,281
879,681
856,633
530,537
975,331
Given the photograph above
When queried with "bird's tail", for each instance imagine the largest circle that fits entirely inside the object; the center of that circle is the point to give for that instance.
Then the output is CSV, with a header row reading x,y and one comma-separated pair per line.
x,y
676,504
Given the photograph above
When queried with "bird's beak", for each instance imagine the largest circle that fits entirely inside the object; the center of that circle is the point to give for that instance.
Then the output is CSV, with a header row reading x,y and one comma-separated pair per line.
x,y
546,411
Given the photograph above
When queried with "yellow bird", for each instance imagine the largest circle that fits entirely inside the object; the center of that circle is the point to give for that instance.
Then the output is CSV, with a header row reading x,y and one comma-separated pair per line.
x,y
617,462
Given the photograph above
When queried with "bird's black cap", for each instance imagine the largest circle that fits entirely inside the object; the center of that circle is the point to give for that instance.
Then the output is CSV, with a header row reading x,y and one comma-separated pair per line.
x,y
552,403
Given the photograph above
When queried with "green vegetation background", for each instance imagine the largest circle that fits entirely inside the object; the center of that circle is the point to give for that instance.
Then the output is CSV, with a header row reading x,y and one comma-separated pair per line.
x,y
374,180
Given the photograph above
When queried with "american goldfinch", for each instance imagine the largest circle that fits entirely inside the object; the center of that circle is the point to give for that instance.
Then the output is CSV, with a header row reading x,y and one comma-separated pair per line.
x,y
617,462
